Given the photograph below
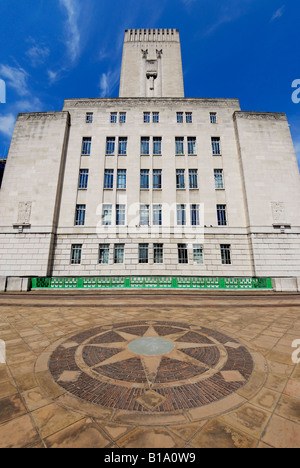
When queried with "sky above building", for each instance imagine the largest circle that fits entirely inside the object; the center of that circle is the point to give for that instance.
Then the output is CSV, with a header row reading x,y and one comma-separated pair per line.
x,y
59,49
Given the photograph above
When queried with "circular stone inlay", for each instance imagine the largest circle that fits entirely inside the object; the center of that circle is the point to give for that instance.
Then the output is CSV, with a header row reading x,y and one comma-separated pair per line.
x,y
150,367
151,346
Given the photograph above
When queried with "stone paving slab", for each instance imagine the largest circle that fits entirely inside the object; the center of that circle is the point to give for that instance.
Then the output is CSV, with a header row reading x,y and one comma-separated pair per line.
x,y
228,380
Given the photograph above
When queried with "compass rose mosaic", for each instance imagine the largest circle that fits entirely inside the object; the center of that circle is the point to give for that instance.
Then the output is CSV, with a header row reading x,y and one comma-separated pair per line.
x,y
151,366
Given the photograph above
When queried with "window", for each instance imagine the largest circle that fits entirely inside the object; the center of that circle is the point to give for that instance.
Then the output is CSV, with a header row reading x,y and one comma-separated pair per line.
x,y
143,253
76,250
123,146
179,146
103,253
145,146
222,217
213,117
189,117
80,215
157,215
195,216
113,117
193,178
107,215
83,179
147,117
181,215
198,254
120,215
157,145
145,179
182,253
216,146
109,179
119,253
157,178
155,117
180,183
144,215
89,117
158,253
110,145
226,254
86,146
219,179
191,145
122,117
179,117
121,183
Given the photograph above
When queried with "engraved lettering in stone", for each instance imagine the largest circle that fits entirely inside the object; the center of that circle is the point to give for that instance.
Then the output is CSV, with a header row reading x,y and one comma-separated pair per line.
x,y
24,212
278,210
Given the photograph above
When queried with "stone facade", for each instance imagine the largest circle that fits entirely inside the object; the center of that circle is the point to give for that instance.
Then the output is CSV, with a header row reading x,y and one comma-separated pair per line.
x,y
260,186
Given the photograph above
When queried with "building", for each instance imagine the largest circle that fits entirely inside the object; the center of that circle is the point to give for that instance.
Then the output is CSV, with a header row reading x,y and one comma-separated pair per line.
x,y
2,167
185,192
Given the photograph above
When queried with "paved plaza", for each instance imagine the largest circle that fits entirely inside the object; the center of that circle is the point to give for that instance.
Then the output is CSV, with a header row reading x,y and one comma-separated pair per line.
x,y
150,370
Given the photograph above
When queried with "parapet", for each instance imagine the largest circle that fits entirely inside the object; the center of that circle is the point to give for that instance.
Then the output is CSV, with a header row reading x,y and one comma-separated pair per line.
x,y
152,35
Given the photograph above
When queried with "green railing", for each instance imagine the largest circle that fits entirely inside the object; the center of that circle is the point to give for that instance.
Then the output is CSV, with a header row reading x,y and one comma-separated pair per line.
x,y
151,282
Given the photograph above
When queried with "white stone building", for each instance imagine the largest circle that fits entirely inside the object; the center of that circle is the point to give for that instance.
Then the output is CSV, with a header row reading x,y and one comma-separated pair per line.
x,y
150,184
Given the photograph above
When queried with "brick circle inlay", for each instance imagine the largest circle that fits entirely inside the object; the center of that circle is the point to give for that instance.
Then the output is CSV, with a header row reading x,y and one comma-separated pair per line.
x,y
201,366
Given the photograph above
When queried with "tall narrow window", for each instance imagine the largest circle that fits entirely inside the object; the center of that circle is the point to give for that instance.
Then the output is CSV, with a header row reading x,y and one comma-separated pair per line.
x,y
120,215
193,178
179,117
222,216
123,146
198,254
110,145
109,179
157,179
121,183
213,117
76,250
80,215
83,179
219,179
86,146
181,215
182,253
189,117
89,117
143,253
179,146
195,215
147,117
191,145
180,182
104,253
113,117
119,253
157,146
144,179
216,146
145,146
157,215
155,117
144,215
226,254
107,215
122,117
158,253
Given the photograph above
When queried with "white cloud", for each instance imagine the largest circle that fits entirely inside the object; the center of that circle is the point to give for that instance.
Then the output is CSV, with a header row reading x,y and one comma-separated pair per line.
x,y
278,13
37,55
108,82
7,123
16,78
73,34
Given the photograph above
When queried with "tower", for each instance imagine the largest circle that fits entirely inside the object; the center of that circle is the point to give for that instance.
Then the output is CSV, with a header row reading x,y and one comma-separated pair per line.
x,y
151,65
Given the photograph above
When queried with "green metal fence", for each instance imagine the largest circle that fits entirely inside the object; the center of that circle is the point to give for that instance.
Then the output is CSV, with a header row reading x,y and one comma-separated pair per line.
x,y
151,282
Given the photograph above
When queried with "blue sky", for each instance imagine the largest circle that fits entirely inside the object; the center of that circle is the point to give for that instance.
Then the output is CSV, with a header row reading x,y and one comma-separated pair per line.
x,y
57,49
